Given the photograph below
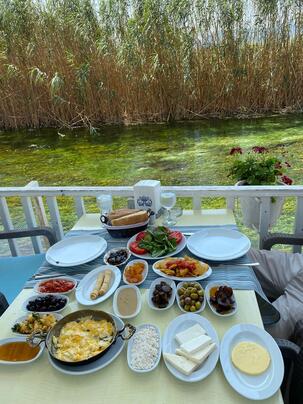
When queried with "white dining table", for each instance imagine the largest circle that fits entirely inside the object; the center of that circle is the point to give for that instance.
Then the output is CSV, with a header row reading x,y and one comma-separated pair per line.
x,y
40,382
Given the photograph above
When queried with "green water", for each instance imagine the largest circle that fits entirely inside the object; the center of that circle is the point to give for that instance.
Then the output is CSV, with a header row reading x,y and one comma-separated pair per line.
x,y
181,154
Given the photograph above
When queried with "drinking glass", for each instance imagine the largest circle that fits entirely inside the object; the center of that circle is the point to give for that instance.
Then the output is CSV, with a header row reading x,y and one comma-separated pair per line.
x,y
168,201
105,203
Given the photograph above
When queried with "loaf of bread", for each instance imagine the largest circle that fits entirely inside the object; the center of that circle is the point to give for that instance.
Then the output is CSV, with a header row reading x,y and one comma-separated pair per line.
x,y
137,217
115,214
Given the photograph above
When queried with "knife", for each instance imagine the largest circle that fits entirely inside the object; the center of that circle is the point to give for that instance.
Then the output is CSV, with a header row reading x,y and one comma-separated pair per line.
x,y
34,277
246,264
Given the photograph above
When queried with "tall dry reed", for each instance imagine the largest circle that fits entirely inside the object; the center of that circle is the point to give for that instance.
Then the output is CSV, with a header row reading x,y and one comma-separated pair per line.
x,y
78,63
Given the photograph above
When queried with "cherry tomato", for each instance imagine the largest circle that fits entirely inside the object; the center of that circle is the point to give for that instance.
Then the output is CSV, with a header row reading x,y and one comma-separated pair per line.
x,y
177,235
140,236
134,247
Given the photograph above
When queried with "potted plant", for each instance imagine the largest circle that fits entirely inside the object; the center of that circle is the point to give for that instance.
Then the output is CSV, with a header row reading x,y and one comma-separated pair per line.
x,y
258,166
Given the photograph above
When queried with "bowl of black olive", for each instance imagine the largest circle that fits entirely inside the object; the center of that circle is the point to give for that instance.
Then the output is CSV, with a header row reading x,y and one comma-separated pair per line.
x,y
162,293
46,303
117,256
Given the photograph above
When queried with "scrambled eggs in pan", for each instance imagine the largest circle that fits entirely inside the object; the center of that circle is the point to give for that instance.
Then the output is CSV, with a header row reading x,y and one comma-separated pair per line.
x,y
83,339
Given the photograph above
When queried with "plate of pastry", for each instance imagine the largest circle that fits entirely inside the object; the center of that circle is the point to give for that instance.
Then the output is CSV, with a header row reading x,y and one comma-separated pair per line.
x,y
98,285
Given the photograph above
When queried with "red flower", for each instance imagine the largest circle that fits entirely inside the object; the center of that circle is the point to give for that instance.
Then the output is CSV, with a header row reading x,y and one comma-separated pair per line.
x,y
286,180
287,164
259,149
235,150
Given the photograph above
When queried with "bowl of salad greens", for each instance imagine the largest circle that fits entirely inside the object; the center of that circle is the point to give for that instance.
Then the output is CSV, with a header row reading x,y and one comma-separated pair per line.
x,y
156,242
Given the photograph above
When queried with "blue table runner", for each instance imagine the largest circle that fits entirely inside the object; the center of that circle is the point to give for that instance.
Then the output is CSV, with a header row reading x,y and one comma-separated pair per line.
x,y
239,277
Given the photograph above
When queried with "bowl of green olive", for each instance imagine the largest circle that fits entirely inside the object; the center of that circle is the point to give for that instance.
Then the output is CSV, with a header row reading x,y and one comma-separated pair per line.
x,y
190,297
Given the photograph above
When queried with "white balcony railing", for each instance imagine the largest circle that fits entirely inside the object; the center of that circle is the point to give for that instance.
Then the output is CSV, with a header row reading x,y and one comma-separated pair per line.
x,y
34,209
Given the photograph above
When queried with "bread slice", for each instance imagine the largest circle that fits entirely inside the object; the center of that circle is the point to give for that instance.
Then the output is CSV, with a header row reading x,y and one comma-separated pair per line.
x,y
134,218
117,213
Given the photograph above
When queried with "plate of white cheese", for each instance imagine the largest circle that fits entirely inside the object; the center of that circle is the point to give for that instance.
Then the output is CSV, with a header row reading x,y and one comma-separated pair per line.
x,y
190,347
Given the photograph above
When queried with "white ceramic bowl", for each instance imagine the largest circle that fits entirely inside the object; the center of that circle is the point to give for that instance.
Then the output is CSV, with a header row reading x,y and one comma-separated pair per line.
x,y
145,272
21,339
106,256
171,283
207,295
41,312
130,345
22,318
115,303
68,278
178,300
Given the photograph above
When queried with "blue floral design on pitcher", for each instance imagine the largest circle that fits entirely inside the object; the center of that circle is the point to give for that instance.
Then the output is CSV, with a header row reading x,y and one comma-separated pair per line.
x,y
144,201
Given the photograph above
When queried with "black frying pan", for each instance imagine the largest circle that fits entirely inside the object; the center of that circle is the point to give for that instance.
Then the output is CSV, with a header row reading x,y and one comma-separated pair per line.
x,y
77,315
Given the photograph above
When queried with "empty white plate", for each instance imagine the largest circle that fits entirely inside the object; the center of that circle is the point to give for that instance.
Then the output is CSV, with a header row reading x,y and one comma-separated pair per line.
x,y
258,387
218,244
75,250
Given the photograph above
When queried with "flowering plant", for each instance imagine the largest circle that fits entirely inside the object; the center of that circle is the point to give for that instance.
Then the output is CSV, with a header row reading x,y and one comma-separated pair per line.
x,y
258,166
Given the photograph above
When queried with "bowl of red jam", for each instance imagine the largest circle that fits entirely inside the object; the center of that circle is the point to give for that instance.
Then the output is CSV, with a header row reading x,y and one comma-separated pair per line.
x,y
61,285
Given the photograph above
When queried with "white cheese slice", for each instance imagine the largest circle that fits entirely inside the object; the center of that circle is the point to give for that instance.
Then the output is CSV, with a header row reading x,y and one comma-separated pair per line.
x,y
190,333
180,363
195,344
200,356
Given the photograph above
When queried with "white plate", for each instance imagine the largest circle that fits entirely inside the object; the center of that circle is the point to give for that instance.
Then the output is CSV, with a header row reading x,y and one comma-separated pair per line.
x,y
106,256
145,272
68,278
130,345
16,339
207,295
96,365
178,249
87,284
258,387
178,300
171,283
75,250
185,279
139,303
33,297
22,318
218,244
169,345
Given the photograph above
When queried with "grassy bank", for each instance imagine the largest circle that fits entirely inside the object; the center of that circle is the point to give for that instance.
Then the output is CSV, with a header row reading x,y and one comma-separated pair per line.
x,y
69,63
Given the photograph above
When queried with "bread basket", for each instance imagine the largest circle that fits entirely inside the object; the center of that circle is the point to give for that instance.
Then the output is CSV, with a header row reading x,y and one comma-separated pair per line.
x,y
125,231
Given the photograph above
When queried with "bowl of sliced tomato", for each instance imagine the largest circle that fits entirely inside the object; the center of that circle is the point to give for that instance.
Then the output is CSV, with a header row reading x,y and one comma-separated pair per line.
x,y
156,242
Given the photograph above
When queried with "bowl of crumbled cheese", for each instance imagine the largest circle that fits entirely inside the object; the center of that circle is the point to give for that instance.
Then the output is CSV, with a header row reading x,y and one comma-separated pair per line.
x,y
144,349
